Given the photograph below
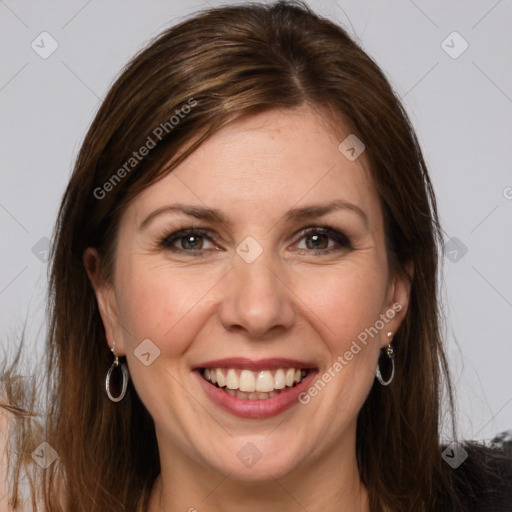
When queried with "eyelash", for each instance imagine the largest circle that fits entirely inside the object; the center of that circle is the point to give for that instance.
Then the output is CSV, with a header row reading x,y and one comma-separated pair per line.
x,y
341,239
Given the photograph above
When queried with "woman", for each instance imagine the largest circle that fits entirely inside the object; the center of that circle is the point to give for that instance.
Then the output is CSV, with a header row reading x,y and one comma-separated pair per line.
x,y
243,289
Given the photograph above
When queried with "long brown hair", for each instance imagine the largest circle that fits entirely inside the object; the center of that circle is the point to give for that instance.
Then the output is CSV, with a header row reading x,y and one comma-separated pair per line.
x,y
225,64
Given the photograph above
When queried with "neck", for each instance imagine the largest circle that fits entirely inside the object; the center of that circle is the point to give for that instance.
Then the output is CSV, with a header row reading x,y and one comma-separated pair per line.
x,y
328,483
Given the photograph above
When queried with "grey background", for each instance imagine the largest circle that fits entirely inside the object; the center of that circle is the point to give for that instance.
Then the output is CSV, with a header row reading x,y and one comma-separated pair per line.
x,y
461,108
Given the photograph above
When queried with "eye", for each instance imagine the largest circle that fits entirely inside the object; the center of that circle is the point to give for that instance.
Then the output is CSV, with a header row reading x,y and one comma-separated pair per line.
x,y
317,240
189,240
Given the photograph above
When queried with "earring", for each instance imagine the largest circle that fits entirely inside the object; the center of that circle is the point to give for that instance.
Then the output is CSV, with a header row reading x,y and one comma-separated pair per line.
x,y
391,355
115,364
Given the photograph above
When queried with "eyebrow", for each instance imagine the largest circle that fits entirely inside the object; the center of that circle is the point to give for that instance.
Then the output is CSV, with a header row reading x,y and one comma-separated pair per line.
x,y
216,216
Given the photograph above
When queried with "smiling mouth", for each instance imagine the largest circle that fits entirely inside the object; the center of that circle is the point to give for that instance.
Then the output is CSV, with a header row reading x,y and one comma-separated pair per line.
x,y
254,385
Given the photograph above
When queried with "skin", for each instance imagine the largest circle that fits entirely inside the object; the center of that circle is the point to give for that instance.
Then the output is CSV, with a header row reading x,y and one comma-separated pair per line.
x,y
289,302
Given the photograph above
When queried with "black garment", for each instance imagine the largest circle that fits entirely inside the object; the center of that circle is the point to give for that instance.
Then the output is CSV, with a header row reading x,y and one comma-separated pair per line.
x,y
484,480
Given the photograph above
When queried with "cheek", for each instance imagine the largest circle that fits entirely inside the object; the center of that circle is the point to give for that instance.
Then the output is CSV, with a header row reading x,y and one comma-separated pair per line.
x,y
168,308
161,303
344,301
342,310
164,304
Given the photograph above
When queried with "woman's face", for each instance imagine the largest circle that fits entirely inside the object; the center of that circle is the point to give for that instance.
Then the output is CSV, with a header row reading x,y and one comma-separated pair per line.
x,y
255,296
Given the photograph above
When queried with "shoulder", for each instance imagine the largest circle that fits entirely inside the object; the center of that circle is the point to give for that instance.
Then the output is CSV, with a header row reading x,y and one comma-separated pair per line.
x,y
10,483
5,422
483,482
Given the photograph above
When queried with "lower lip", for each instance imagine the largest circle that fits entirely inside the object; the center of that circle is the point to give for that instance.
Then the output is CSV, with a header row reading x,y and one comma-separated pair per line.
x,y
255,409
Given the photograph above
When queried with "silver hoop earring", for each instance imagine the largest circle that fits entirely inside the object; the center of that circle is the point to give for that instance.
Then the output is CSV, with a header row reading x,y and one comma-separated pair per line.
x,y
391,355
124,370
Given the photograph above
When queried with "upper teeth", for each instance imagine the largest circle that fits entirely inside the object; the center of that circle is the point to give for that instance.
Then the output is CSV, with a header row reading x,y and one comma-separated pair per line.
x,y
249,381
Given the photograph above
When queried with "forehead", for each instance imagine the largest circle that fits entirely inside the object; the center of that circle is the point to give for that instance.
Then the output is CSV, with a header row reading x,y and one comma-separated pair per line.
x,y
263,165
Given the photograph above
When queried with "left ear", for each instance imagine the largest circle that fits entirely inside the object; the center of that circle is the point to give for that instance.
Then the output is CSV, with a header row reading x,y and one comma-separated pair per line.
x,y
397,299
107,304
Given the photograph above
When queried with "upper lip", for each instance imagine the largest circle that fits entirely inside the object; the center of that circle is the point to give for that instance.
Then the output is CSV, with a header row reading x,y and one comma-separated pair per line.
x,y
256,364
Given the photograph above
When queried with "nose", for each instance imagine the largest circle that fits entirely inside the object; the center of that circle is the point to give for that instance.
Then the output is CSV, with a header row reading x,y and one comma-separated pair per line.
x,y
257,299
